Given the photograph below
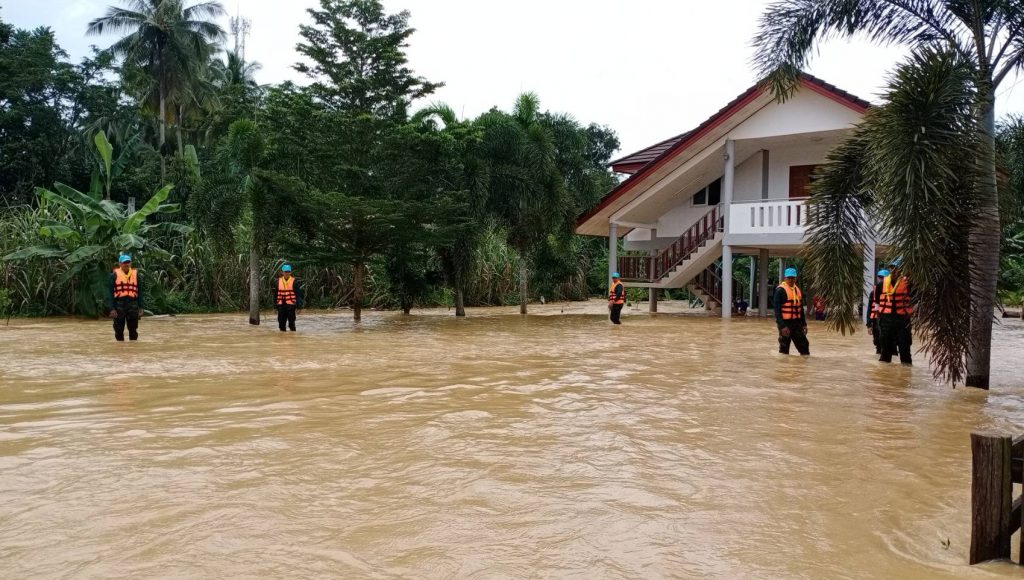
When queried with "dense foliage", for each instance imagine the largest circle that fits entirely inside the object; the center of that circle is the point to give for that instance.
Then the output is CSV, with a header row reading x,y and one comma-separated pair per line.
x,y
380,199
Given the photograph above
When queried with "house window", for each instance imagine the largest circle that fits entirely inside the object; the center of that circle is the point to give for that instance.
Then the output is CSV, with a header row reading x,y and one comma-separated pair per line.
x,y
710,194
800,179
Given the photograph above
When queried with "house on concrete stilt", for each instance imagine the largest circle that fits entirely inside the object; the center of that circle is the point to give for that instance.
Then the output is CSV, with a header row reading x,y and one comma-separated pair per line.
x,y
735,186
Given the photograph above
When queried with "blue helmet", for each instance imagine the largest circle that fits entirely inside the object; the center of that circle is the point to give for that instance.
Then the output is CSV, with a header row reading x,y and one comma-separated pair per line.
x,y
791,273
615,275
124,258
883,272
286,268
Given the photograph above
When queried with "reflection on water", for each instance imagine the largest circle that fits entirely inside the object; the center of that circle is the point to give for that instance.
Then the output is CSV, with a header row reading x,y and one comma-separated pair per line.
x,y
493,446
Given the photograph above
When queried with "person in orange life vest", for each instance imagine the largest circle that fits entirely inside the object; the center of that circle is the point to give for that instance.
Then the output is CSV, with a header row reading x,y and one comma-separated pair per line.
x,y
875,307
616,298
124,301
789,315
819,308
895,310
287,298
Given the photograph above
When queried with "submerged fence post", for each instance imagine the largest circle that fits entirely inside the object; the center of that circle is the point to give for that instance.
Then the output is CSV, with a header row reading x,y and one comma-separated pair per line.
x,y
991,497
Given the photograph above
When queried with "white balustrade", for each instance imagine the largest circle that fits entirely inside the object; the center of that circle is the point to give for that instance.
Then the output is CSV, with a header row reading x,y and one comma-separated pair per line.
x,y
778,216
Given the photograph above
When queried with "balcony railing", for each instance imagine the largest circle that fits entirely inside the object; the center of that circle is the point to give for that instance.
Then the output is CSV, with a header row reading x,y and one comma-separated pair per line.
x,y
770,216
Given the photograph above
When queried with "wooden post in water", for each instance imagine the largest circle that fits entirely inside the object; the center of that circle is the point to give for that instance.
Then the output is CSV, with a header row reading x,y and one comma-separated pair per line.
x,y
991,497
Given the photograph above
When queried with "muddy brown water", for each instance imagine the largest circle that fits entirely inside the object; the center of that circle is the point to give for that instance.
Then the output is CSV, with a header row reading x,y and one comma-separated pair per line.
x,y
495,446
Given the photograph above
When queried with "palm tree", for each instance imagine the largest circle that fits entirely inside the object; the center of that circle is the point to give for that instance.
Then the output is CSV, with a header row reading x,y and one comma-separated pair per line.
x,y
985,36
526,194
457,258
906,158
168,40
233,71
243,152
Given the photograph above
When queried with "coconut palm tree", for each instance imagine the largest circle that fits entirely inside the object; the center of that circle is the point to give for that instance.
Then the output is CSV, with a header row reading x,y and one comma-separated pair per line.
x,y
457,258
168,40
987,36
233,71
526,193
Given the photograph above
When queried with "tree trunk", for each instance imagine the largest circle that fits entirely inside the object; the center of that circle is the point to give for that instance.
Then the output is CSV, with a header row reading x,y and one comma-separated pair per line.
x,y
181,121
985,235
357,291
163,134
460,301
254,284
523,283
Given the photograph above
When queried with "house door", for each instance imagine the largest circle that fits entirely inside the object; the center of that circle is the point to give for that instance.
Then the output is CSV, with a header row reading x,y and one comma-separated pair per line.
x,y
800,179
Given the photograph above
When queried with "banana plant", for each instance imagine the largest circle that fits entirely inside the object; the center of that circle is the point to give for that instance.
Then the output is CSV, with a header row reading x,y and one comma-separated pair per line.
x,y
93,230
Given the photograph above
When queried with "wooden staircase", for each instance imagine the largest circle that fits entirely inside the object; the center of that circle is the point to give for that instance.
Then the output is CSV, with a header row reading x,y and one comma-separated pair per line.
x,y
691,262
680,262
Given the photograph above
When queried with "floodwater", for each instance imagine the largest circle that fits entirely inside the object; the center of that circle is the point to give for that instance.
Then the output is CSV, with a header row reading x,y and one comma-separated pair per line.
x,y
495,446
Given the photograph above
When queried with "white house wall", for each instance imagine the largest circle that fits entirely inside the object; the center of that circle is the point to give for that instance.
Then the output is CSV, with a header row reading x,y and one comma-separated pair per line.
x,y
673,224
806,112
748,178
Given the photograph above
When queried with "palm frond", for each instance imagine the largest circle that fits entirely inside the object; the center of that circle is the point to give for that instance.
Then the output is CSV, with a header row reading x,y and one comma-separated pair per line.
x,y
789,30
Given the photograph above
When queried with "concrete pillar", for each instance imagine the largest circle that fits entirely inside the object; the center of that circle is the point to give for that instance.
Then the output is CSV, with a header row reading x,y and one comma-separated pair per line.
x,y
726,281
613,250
652,293
762,280
728,181
869,275
782,269
753,271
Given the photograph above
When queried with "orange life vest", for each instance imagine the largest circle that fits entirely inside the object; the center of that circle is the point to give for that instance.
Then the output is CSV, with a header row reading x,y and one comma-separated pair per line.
x,y
286,291
126,285
611,294
875,307
793,307
896,298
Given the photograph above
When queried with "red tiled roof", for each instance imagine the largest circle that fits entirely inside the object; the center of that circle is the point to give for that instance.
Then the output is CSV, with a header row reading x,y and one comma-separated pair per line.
x,y
645,156
646,160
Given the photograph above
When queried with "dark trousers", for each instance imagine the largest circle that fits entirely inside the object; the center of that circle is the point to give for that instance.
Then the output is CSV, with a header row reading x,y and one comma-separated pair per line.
x,y
127,315
615,312
875,332
896,336
286,316
796,336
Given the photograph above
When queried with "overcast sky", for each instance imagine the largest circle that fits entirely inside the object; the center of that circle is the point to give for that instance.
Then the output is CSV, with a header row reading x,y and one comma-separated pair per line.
x,y
649,69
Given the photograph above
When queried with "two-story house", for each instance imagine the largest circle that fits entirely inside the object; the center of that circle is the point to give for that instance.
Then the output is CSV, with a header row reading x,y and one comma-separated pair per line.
x,y
734,186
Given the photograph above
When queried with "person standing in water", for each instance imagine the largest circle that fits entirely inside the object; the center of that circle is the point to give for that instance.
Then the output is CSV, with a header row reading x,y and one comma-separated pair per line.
x,y
875,306
789,315
287,298
895,310
616,298
125,299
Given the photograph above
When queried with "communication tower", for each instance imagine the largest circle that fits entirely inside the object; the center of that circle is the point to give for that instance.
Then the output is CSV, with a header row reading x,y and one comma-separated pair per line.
x,y
241,27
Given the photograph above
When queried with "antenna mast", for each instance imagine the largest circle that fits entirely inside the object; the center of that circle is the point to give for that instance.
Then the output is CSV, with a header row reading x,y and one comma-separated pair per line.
x,y
241,27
